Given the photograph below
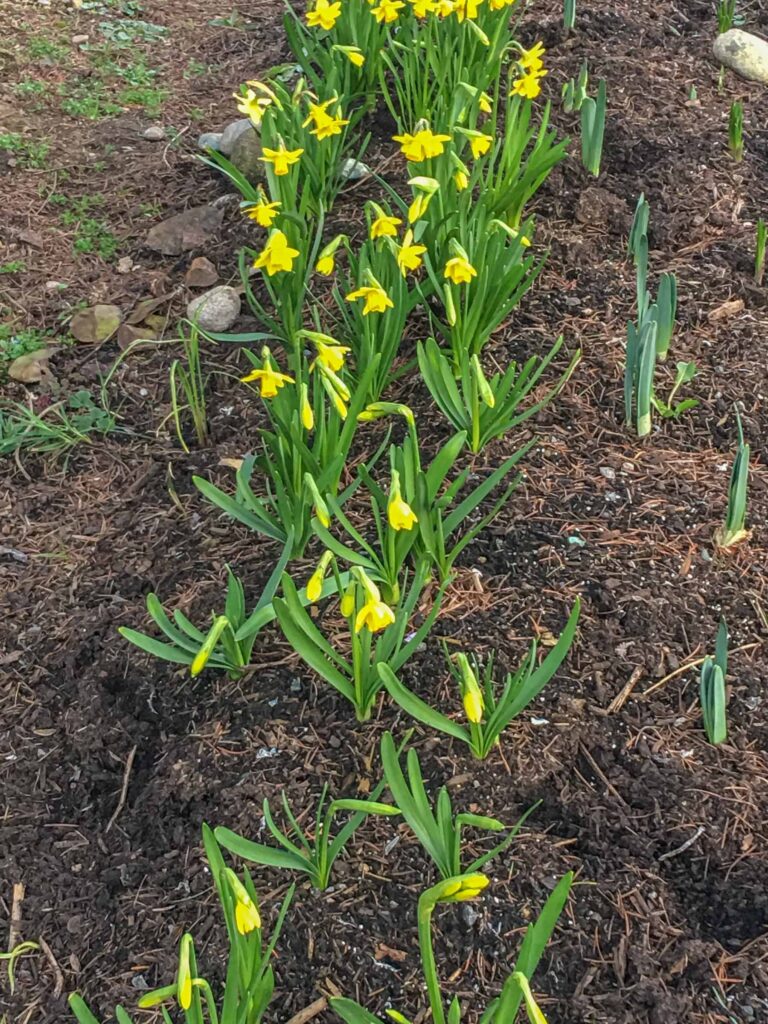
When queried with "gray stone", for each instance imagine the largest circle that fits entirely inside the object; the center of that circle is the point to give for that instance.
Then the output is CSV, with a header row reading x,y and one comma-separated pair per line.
x,y
155,133
246,156
232,133
744,53
215,310
201,273
209,140
188,230
353,170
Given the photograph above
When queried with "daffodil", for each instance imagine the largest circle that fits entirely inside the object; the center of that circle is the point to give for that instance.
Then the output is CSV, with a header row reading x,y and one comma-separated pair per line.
x,y
277,255
331,356
262,212
249,104
443,8
347,606
320,508
270,381
399,513
385,226
479,144
307,413
499,5
459,270
247,916
424,145
324,15
353,54
535,1015
485,389
424,188
461,180
387,11
421,8
531,60
325,265
184,973
408,254
529,86
209,646
485,104
315,584
466,9
376,299
374,615
281,159
325,124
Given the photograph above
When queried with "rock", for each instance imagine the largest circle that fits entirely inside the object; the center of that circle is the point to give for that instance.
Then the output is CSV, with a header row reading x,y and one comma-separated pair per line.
x,y
246,156
77,40
232,133
184,231
96,324
201,273
215,310
353,170
155,133
209,140
744,53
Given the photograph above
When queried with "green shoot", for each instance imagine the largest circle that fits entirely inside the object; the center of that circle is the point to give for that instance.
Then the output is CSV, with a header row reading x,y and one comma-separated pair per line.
x,y
736,131
188,386
575,91
12,956
760,244
56,429
668,409
312,853
569,15
712,689
727,16
732,531
593,129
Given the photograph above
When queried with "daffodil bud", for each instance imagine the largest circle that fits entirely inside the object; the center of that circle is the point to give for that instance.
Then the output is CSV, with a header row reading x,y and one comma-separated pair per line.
x,y
450,306
399,513
321,509
336,399
472,695
348,601
535,1015
326,259
184,974
456,890
483,386
307,415
247,917
377,410
202,656
315,584
478,32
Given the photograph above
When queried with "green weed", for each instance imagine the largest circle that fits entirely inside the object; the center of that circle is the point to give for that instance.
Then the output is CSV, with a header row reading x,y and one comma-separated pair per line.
x,y
54,430
92,233
39,48
28,152
15,343
13,267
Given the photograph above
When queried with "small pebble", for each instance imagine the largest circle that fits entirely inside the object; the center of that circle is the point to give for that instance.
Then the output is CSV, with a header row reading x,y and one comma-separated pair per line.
x,y
155,133
608,473
77,40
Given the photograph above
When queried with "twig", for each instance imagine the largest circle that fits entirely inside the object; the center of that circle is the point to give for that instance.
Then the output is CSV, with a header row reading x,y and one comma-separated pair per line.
x,y
621,698
14,931
602,776
309,1011
681,849
58,987
123,791
690,664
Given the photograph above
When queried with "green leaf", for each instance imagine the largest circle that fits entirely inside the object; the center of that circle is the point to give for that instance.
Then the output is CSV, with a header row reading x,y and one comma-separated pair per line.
x,y
353,1013
158,649
419,709
78,1006
260,854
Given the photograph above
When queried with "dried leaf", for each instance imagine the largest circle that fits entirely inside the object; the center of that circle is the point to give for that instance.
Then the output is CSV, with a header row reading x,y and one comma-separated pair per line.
x,y
31,367
142,309
96,324
386,952
231,463
726,311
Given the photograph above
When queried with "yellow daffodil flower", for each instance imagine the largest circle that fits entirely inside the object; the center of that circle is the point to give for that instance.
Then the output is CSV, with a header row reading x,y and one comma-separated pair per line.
x,y
262,212
418,207
461,180
249,104
324,15
459,270
315,584
408,254
270,381
247,916
387,11
530,60
325,125
375,615
529,86
277,255
281,159
331,356
325,265
421,8
384,226
424,145
466,9
471,887
499,5
479,144
485,104
376,299
443,8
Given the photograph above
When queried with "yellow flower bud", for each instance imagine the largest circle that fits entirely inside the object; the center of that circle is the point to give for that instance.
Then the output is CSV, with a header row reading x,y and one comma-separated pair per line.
x,y
184,973
307,416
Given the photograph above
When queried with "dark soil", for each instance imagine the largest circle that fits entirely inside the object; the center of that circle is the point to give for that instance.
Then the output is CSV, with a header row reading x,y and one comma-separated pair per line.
x,y
669,917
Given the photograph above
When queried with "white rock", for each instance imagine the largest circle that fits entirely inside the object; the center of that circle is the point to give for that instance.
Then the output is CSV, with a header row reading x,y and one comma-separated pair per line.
x,y
744,53
353,170
209,140
232,133
155,133
215,310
